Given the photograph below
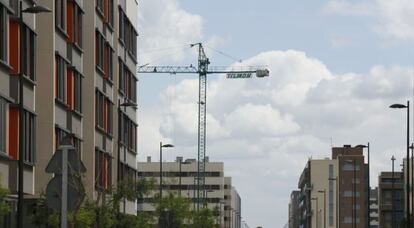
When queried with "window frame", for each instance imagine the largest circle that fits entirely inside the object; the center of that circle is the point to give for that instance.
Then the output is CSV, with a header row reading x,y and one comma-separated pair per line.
x,y
61,79
4,110
29,136
77,91
4,24
60,14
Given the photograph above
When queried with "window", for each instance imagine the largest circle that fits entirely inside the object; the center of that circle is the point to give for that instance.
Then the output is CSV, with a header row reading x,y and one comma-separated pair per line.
x,y
103,113
110,13
127,33
75,18
103,170
100,45
61,79
350,167
60,14
4,21
29,137
77,101
3,124
100,5
128,131
127,82
76,142
29,60
108,65
128,173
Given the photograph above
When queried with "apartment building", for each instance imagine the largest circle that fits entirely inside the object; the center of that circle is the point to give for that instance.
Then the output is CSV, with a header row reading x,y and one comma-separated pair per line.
x,y
180,176
353,186
374,209
294,210
87,59
391,199
317,198
17,65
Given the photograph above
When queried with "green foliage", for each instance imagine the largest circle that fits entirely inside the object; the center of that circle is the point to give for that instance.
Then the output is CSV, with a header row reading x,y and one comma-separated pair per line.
x,y
173,211
204,218
42,215
4,205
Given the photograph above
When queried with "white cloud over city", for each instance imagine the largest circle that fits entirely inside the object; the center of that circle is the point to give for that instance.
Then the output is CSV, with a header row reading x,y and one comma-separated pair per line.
x,y
265,129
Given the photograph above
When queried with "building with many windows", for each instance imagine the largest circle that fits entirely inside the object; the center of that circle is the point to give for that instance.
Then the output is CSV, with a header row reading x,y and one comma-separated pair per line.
x,y
391,199
374,209
17,65
87,59
179,177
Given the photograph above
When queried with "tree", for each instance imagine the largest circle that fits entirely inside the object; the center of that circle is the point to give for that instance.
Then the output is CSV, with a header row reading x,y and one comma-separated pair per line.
x,y
173,211
205,218
4,205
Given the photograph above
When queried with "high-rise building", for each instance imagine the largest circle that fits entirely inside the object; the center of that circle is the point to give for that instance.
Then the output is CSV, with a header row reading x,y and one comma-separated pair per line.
x,y
17,65
374,208
179,177
334,192
353,186
294,214
87,90
391,199
317,198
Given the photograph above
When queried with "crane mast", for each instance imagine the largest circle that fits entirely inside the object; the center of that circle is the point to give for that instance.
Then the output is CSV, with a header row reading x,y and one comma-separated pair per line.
x,y
202,70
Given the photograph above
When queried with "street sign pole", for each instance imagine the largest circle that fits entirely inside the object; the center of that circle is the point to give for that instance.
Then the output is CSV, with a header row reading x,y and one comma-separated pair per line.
x,y
64,213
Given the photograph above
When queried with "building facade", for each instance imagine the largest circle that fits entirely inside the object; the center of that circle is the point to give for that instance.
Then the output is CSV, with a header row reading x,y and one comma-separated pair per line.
x,y
294,215
179,177
17,65
87,59
391,199
374,208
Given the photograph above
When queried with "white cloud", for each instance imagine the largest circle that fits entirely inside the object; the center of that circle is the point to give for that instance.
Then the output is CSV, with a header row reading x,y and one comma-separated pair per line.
x,y
395,18
164,31
346,8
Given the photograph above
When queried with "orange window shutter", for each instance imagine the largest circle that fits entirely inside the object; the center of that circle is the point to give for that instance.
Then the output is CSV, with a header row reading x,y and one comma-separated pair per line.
x,y
14,133
105,10
14,34
70,21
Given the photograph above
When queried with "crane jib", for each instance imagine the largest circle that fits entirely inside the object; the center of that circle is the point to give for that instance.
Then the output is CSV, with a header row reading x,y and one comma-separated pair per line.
x,y
239,75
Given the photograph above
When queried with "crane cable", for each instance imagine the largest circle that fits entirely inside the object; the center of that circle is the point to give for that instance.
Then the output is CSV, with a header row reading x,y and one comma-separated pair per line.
x,y
224,54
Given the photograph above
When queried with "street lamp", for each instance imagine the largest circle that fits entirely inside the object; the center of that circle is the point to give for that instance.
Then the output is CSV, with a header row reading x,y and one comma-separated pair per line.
x,y
399,106
353,162
35,9
392,193
162,146
324,206
369,185
317,210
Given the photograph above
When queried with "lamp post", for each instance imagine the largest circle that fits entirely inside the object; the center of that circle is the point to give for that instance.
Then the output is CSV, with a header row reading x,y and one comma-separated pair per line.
x,y
162,146
399,106
369,184
317,210
353,162
337,200
412,179
324,206
392,194
35,9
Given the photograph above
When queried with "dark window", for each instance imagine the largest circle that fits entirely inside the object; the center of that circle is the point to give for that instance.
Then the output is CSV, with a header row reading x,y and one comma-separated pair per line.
x,y
29,60
60,14
76,142
100,46
29,137
77,102
100,5
121,26
77,25
61,79
103,113
110,14
108,62
103,170
128,131
3,124
127,82
4,21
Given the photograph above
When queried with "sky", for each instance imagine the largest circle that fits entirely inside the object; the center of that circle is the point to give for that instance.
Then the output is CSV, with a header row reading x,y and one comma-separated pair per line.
x,y
335,67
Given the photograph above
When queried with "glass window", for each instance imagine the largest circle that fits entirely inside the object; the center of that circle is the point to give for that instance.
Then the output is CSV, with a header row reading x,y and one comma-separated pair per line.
x,y
77,19
77,104
103,170
60,14
29,137
61,80
100,46
29,60
4,19
3,124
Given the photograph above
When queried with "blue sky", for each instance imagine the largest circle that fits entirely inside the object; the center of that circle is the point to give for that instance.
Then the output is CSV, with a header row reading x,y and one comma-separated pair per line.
x,y
335,67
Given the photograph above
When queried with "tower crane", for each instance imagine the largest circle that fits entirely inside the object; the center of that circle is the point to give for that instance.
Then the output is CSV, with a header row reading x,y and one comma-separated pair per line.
x,y
203,70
